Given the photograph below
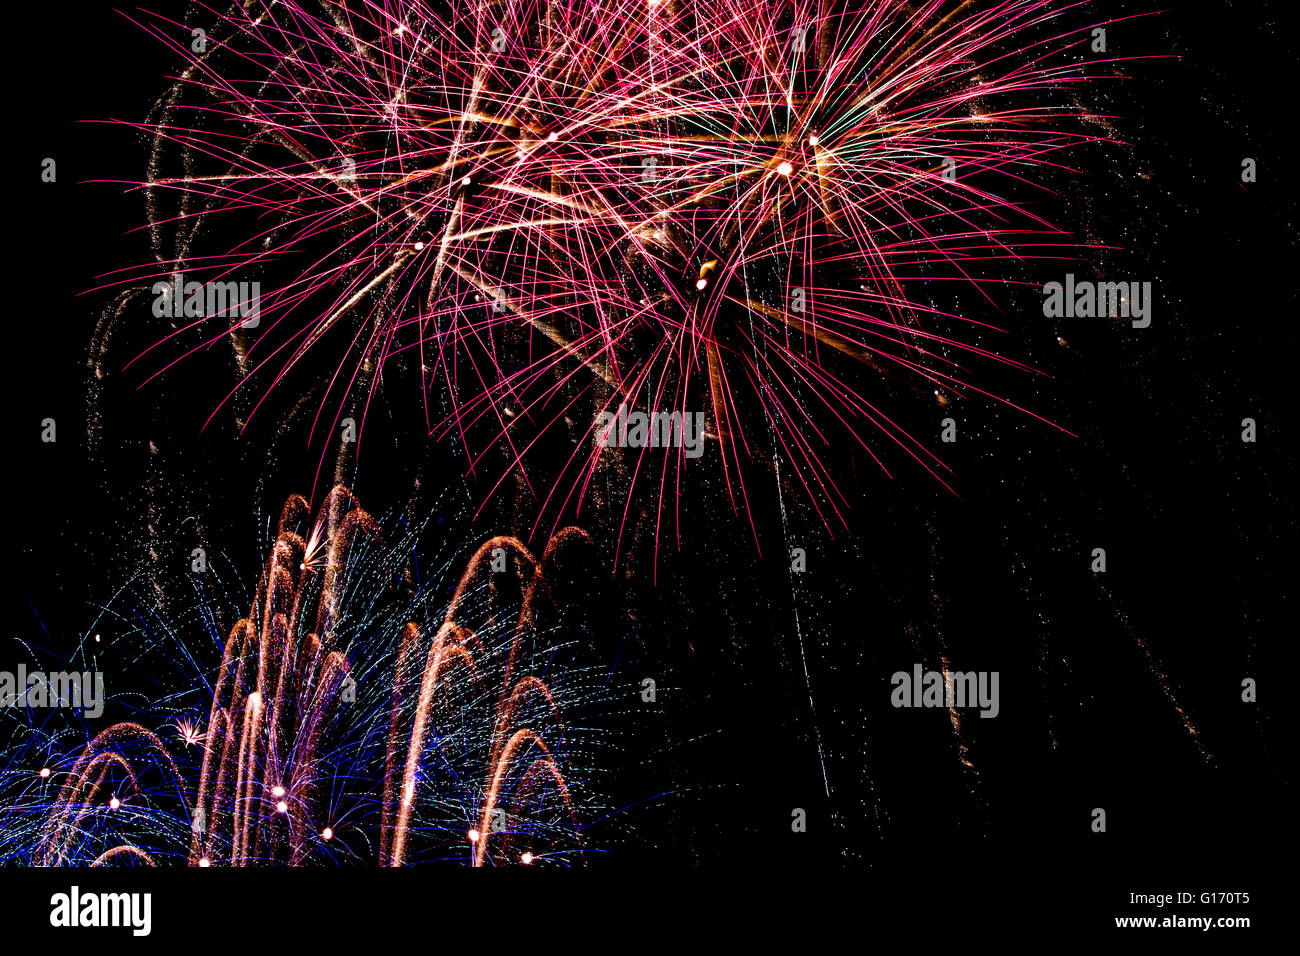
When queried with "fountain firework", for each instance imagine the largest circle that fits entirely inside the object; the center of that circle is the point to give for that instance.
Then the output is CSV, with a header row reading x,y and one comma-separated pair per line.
x,y
330,734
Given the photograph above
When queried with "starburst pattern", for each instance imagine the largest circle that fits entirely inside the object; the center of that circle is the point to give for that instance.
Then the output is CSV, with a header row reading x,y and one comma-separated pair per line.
x,y
541,211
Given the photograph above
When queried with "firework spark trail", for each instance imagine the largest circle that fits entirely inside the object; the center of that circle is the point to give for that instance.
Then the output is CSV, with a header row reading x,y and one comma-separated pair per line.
x,y
526,199
312,721
1157,671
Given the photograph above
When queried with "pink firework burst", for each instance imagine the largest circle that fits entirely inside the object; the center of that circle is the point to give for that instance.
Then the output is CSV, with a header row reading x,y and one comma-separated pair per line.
x,y
189,733
546,211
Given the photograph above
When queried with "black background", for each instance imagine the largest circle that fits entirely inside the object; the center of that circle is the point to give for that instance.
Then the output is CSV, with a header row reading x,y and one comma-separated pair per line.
x,y
1198,527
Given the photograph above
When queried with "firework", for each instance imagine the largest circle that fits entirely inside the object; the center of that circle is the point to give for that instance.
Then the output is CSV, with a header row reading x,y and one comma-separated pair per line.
x,y
542,212
331,733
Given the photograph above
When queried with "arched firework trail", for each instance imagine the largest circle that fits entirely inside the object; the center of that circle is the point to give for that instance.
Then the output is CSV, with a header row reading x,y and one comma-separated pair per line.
x,y
344,722
545,210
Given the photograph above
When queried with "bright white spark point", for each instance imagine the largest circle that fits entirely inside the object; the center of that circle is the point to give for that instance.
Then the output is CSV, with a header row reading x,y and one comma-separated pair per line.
x,y
785,169
281,807
419,246
45,772
204,862
814,139
552,136
327,834
473,836
114,803
702,283
526,859
277,791
401,28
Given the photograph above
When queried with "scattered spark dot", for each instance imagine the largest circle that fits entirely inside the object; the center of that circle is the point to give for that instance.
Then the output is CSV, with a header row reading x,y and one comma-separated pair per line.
x,y
189,732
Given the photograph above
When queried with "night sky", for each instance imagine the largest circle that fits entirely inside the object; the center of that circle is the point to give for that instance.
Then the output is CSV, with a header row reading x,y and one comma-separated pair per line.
x,y
1119,690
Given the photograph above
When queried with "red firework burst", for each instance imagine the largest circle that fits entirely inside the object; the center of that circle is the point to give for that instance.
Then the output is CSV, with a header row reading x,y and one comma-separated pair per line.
x,y
550,209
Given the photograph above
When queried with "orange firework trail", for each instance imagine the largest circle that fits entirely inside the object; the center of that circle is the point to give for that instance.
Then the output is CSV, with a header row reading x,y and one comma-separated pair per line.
x,y
454,645
325,739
